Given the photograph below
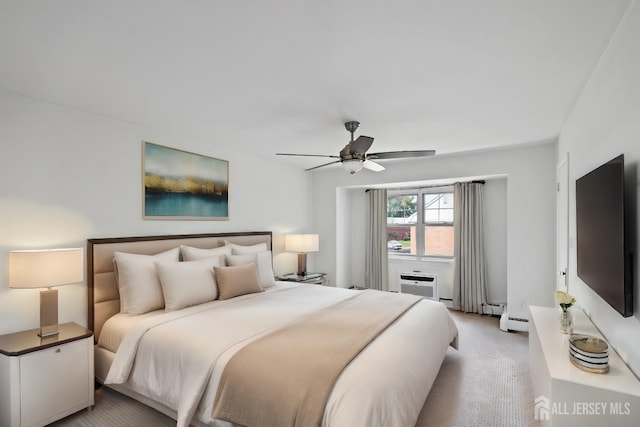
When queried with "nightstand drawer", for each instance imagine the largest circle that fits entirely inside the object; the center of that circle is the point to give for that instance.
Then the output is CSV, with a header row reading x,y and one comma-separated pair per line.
x,y
54,382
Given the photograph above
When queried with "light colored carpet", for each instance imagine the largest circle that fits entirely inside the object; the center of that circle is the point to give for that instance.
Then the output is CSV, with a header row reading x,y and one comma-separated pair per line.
x,y
484,383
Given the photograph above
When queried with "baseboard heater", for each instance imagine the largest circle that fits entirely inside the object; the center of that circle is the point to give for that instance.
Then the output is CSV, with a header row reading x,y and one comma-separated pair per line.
x,y
513,323
421,284
493,309
448,302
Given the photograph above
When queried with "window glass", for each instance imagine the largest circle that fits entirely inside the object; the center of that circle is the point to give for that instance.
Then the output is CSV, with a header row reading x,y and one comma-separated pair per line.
x,y
401,239
438,240
438,207
402,215
431,215
402,209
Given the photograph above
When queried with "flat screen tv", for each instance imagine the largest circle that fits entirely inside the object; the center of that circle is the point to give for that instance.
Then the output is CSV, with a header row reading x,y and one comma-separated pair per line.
x,y
604,263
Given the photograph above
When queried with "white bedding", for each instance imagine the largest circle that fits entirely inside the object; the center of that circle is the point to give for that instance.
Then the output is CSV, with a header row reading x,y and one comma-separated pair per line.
x,y
176,358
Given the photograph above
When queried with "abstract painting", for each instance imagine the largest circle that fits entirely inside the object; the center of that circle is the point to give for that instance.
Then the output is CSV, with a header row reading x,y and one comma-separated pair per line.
x,y
182,185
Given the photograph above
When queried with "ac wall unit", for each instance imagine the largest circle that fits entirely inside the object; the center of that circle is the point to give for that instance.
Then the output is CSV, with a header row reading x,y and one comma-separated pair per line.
x,y
421,284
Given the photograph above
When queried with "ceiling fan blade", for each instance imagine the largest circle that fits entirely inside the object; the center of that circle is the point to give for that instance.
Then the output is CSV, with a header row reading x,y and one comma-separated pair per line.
x,y
372,166
401,154
307,155
361,144
326,164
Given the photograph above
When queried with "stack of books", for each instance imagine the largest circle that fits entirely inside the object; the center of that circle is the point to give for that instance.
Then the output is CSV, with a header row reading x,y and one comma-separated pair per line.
x,y
589,353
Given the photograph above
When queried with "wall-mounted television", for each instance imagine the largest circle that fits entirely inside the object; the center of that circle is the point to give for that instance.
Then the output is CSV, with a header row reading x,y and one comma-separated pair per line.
x,y
604,261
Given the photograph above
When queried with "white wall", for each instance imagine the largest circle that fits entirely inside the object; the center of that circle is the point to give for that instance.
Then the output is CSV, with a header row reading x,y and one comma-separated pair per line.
x,y
69,175
344,227
352,209
605,122
530,214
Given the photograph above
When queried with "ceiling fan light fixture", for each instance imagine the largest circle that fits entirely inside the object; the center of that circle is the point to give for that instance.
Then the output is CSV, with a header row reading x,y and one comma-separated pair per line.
x,y
354,155
352,166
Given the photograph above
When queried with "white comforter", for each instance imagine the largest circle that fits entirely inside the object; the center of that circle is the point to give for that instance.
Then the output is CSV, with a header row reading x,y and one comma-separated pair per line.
x,y
176,358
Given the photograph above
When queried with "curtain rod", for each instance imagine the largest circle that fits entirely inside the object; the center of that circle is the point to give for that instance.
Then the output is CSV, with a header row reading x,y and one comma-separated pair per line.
x,y
480,181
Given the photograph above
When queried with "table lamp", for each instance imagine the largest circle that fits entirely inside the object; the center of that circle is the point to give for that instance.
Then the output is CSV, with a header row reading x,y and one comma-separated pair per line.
x,y
45,269
302,243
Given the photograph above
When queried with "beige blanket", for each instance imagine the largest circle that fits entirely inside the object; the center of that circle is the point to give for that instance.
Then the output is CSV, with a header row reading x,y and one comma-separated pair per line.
x,y
285,377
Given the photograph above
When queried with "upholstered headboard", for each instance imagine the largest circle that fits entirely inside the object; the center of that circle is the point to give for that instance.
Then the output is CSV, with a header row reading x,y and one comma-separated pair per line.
x,y
103,296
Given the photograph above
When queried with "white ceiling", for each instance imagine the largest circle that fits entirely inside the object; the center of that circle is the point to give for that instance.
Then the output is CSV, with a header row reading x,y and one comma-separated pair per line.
x,y
283,75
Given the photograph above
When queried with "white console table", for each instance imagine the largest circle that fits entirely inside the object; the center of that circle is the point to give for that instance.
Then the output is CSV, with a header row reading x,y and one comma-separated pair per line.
x,y
568,396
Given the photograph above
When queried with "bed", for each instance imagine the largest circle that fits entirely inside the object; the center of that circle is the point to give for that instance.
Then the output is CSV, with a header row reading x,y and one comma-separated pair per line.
x,y
176,358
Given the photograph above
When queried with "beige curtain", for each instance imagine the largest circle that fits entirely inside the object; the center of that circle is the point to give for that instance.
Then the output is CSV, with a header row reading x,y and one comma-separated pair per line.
x,y
376,257
469,277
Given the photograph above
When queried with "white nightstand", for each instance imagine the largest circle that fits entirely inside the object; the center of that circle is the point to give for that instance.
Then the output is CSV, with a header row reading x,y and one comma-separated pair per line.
x,y
45,379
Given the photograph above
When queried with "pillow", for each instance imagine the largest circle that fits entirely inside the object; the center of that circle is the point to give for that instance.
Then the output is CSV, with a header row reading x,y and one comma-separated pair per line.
x,y
194,254
239,249
138,282
263,262
187,283
237,280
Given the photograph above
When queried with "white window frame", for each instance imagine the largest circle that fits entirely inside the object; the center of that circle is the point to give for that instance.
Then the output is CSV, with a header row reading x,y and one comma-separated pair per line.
x,y
420,224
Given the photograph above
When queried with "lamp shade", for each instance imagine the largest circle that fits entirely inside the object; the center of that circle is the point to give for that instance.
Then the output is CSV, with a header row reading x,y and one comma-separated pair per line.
x,y
302,243
45,268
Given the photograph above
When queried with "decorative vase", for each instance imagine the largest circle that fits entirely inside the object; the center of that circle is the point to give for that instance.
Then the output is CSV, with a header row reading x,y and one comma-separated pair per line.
x,y
566,322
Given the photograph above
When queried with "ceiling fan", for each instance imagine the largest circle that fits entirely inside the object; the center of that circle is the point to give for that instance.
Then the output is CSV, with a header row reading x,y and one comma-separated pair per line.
x,y
354,155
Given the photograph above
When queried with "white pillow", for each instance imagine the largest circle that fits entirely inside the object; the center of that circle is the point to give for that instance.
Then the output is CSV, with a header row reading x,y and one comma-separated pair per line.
x,y
240,250
138,282
262,260
193,254
188,283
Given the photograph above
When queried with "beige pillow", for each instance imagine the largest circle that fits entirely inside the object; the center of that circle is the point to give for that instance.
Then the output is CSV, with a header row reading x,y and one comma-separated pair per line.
x,y
262,260
240,249
138,282
237,280
187,283
193,254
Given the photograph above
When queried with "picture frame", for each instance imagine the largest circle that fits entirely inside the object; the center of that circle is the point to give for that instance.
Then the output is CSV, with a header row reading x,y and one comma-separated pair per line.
x,y
181,185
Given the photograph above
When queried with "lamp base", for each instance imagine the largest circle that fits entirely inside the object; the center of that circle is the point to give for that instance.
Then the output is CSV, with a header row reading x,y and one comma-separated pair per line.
x,y
302,264
48,313
48,331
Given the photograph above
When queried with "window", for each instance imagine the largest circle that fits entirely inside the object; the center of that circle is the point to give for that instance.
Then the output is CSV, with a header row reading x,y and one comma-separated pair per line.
x,y
426,231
